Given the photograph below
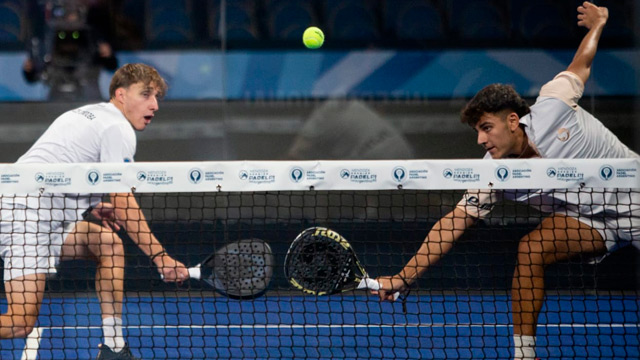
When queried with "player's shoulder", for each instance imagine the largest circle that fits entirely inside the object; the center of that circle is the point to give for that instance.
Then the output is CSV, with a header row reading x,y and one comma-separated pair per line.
x,y
102,110
101,115
566,86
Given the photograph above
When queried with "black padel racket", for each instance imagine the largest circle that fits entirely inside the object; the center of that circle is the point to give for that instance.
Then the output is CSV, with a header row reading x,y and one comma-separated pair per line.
x,y
239,270
321,262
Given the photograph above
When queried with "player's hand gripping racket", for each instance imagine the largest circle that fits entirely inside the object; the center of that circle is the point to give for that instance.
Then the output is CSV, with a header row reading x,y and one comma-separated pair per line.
x,y
239,270
321,262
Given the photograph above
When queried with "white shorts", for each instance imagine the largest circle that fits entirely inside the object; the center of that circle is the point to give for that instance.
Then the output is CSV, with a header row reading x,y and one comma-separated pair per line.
x,y
617,230
29,243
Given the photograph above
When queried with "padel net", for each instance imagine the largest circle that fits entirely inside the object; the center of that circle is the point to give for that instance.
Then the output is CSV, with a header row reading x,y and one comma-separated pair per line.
x,y
459,308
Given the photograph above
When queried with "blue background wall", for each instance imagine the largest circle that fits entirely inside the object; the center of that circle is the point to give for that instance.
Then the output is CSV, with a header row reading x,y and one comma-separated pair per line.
x,y
289,74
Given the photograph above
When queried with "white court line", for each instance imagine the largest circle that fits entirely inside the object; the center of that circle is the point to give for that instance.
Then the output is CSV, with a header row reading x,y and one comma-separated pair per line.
x,y
32,345
311,326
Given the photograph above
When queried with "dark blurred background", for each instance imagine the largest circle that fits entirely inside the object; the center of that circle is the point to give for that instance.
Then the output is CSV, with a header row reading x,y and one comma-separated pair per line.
x,y
242,86
348,24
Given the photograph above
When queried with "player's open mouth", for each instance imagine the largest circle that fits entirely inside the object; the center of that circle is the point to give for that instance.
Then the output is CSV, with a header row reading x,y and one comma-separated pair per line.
x,y
147,119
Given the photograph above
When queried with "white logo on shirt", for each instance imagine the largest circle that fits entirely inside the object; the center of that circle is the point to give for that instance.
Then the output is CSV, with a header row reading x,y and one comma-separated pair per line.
x,y
563,134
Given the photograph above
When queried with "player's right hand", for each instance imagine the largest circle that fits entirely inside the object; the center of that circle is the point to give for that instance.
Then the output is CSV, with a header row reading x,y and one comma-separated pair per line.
x,y
171,270
390,285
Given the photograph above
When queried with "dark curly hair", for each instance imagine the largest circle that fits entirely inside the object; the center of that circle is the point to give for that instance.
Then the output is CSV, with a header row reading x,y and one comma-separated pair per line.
x,y
493,99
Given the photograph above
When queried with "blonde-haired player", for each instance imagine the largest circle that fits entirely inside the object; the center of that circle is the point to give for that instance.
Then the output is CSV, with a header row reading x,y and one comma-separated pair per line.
x,y
38,230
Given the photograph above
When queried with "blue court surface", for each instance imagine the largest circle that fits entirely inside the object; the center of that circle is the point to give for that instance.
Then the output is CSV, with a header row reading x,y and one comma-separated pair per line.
x,y
335,327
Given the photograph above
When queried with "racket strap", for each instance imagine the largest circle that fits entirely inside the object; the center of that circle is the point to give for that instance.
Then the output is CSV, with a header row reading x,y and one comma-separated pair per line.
x,y
404,295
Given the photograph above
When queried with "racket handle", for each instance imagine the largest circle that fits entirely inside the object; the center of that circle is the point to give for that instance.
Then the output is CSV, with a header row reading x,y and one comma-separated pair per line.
x,y
194,273
373,284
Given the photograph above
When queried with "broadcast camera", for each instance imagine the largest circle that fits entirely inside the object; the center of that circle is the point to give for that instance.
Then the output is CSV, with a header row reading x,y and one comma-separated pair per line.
x,y
67,59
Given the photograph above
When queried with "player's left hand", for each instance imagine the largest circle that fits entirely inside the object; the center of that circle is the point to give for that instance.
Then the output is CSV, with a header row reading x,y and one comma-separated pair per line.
x,y
590,15
105,212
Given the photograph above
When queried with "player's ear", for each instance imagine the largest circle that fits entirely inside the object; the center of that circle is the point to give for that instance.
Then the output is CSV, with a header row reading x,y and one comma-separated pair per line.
x,y
513,120
119,94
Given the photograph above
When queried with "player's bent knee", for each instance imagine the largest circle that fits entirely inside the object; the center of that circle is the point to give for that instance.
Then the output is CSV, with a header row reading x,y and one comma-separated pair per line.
x,y
111,245
22,325
22,331
530,252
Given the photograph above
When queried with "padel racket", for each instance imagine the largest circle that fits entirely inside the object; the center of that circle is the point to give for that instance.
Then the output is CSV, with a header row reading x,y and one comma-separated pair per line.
x,y
239,270
322,262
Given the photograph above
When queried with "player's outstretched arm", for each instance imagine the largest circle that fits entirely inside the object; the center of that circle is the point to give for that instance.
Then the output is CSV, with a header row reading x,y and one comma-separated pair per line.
x,y
593,18
437,243
128,212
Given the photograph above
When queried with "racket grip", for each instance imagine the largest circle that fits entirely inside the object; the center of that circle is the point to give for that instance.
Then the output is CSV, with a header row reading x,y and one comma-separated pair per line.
x,y
194,273
372,284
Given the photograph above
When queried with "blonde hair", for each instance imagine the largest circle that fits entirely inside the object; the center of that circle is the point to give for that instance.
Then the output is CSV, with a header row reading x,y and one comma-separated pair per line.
x,y
130,74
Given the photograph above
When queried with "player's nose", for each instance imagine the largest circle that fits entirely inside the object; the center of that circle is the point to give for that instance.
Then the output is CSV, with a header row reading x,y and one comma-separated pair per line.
x,y
154,104
482,139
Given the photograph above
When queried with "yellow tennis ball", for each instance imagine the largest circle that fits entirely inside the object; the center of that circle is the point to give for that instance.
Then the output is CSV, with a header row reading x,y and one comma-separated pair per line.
x,y
313,37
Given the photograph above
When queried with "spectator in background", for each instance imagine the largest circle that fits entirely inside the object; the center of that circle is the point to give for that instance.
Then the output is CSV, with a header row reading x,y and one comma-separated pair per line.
x,y
71,49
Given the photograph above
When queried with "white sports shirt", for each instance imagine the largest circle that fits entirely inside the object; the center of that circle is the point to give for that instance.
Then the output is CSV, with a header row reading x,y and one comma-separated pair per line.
x,y
92,133
558,127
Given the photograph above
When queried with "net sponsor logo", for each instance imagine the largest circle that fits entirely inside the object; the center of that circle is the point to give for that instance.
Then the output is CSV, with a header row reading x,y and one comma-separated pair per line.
x,y
156,177
462,175
503,173
9,178
296,174
197,175
358,175
257,176
566,173
57,178
93,177
399,174
608,172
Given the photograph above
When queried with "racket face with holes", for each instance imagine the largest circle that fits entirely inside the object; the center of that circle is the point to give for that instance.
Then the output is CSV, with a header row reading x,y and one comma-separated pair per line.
x,y
241,269
321,262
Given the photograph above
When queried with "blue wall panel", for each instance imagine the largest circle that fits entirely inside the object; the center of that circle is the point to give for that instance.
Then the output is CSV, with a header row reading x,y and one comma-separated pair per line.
x,y
395,74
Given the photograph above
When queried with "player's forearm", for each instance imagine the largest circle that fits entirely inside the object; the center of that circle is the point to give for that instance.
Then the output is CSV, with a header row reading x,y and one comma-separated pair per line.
x,y
594,19
438,242
128,211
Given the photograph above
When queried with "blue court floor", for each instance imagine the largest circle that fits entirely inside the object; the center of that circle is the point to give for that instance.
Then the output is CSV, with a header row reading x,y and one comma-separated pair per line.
x,y
336,327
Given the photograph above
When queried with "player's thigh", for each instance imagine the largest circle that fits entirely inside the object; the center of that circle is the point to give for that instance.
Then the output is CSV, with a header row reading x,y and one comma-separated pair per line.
x,y
89,241
24,296
558,238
